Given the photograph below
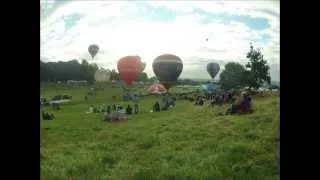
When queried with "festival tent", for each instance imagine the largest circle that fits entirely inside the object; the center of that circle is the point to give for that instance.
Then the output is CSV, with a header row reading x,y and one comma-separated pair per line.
x,y
210,87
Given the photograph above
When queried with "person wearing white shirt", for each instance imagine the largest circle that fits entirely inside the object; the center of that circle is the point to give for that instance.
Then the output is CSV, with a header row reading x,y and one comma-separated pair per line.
x,y
121,113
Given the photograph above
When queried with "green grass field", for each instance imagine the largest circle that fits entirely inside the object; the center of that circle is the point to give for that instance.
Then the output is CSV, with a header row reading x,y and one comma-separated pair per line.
x,y
183,143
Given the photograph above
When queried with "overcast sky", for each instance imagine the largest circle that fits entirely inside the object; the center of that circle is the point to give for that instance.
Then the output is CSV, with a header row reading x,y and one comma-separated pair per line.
x,y
151,28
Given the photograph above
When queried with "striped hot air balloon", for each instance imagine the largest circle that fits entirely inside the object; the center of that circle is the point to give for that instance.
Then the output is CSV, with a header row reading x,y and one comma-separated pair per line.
x,y
167,68
213,69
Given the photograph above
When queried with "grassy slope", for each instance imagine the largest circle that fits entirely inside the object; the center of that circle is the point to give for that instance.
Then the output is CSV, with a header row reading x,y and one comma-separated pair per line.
x,y
185,143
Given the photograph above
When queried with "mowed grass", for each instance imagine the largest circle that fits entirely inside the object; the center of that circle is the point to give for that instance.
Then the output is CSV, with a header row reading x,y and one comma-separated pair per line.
x,y
184,143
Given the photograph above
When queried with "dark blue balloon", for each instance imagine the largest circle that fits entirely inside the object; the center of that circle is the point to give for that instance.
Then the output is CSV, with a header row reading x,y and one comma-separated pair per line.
x,y
167,68
213,69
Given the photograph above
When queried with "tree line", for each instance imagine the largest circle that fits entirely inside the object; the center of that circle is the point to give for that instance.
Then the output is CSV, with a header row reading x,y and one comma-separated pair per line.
x,y
73,70
253,75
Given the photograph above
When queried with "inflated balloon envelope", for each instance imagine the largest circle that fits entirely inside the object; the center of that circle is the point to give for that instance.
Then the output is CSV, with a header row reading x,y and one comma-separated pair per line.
x,y
213,69
167,68
129,68
93,50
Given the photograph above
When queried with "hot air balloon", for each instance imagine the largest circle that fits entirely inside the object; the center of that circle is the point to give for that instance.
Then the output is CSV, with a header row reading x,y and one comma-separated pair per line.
x,y
102,75
167,68
93,50
129,68
213,69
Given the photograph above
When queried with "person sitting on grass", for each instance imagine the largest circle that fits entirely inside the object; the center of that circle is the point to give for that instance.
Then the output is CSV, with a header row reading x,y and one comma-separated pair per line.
x,y
95,109
47,116
233,109
108,116
56,106
102,108
136,108
129,109
219,100
165,107
156,107
245,104
136,103
121,113
108,110
197,102
44,115
90,109
200,101
114,107
172,102
118,107
52,117
212,102
230,97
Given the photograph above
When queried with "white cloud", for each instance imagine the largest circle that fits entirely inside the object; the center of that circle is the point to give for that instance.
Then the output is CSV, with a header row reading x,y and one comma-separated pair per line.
x,y
119,32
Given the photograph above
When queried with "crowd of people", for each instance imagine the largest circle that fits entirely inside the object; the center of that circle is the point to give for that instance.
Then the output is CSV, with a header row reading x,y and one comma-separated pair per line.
x,y
238,104
241,105
214,99
45,102
167,103
115,112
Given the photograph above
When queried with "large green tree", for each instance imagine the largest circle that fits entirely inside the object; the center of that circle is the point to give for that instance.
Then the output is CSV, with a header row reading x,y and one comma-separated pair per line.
x,y
143,77
73,70
233,76
153,79
257,69
70,70
114,75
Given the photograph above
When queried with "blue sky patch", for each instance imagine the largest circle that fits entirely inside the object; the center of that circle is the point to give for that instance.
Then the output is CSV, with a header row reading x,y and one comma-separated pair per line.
x,y
71,20
253,23
161,14
265,39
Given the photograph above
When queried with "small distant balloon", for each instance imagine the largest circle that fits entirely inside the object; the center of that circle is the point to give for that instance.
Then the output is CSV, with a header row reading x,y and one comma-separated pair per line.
x,y
213,69
93,50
